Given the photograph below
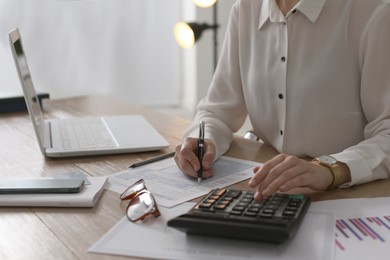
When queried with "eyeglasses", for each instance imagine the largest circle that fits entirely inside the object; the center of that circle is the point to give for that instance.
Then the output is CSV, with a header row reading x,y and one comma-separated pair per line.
x,y
142,202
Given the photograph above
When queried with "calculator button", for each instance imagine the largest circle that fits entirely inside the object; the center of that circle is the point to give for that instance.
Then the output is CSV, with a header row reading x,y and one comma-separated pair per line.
x,y
293,204
253,209
234,193
205,205
272,207
220,206
266,215
291,208
219,192
235,212
226,202
250,214
295,200
276,198
242,204
206,211
247,200
248,196
268,210
288,213
259,204
273,202
239,208
209,201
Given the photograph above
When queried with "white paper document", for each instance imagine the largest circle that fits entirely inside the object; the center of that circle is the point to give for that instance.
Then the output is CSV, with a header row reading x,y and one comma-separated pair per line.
x,y
171,187
362,227
154,239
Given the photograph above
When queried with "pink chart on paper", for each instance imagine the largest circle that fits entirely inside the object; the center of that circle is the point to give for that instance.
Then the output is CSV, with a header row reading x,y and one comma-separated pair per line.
x,y
367,229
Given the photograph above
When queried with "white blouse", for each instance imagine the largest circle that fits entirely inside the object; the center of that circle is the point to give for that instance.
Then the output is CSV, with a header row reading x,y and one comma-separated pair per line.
x,y
313,82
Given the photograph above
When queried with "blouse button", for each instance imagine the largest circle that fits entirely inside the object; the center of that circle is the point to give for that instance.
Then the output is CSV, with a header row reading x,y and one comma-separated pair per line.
x,y
283,59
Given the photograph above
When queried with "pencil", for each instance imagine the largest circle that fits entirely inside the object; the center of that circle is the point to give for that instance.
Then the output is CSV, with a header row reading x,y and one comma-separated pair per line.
x,y
153,159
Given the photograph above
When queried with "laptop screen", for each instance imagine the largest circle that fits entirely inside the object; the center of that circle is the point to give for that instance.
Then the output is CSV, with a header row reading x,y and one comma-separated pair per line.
x,y
30,95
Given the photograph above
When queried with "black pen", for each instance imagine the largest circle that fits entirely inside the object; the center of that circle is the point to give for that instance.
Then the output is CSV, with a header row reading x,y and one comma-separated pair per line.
x,y
200,149
154,159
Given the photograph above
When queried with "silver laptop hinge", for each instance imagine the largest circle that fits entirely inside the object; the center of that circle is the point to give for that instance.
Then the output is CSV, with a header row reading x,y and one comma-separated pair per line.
x,y
47,142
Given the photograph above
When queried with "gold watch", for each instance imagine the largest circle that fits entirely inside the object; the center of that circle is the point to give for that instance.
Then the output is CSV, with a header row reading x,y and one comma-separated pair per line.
x,y
331,163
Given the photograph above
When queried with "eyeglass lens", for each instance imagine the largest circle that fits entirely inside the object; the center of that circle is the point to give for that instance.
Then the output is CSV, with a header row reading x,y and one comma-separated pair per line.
x,y
142,206
130,192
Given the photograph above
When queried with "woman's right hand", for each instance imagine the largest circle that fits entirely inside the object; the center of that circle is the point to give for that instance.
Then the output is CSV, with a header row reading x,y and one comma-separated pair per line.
x,y
187,160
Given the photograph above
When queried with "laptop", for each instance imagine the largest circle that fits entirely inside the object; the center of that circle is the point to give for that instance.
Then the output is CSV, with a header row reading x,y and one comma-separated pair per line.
x,y
70,137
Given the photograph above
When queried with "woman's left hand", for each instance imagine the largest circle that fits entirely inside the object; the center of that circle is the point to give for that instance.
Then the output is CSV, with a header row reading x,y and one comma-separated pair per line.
x,y
284,172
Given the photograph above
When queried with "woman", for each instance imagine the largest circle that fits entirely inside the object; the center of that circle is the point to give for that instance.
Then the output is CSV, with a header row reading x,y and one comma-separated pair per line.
x,y
313,76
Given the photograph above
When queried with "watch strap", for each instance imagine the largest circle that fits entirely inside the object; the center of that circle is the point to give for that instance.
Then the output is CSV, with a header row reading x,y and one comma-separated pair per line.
x,y
336,173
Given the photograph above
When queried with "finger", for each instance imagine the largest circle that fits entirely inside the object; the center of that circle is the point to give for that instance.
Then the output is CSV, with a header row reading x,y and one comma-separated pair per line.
x,y
209,155
208,158
255,169
190,166
272,180
186,167
302,180
257,178
208,173
258,194
186,159
284,165
265,169
293,174
189,151
316,177
290,168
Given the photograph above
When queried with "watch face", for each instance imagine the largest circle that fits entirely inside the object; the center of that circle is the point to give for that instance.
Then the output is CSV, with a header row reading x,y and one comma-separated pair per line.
x,y
327,159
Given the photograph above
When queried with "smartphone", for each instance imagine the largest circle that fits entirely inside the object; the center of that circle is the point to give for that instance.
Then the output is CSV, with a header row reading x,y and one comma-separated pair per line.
x,y
25,186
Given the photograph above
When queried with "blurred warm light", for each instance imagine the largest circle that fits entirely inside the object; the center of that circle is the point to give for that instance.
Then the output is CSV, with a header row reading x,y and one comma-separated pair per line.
x,y
204,3
184,35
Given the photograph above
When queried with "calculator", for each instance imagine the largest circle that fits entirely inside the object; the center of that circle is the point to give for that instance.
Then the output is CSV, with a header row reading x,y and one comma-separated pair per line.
x,y
230,213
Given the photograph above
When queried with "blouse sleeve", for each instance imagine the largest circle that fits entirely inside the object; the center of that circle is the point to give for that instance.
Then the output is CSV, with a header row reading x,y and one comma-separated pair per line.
x,y
370,159
223,109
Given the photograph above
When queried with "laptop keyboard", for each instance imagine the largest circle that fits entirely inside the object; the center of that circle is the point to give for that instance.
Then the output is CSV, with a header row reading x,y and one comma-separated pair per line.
x,y
85,133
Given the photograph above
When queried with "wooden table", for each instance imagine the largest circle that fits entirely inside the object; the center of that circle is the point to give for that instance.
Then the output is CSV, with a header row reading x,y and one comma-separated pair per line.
x,y
67,233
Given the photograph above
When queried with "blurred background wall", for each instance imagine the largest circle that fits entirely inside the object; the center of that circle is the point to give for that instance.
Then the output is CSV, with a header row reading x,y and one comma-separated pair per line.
x,y
123,48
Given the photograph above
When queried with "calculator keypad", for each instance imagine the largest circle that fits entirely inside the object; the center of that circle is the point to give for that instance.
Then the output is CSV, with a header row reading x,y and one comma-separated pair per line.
x,y
235,214
240,203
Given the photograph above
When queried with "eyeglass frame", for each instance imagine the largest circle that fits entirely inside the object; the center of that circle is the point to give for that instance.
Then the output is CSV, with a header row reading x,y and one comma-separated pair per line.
x,y
135,194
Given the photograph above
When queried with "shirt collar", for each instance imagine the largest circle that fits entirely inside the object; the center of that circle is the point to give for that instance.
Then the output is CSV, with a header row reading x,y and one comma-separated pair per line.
x,y
270,10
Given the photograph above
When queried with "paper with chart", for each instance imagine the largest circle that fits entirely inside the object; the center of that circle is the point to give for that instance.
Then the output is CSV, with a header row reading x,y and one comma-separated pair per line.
x,y
362,227
154,239
170,187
